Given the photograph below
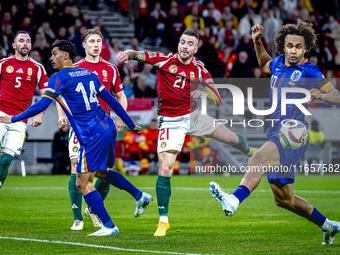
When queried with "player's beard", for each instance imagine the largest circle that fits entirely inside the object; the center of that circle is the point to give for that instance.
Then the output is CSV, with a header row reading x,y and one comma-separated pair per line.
x,y
19,50
186,58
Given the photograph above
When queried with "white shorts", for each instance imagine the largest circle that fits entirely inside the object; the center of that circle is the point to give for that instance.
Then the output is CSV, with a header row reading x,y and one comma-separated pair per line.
x,y
172,130
12,136
73,144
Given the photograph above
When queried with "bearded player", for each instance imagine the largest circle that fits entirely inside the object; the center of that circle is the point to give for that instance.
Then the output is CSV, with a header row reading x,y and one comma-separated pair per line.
x,y
109,76
177,115
289,69
19,76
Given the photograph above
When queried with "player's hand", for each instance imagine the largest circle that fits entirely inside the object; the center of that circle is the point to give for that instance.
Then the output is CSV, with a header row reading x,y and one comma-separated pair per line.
x,y
62,122
119,124
137,130
198,94
122,57
6,119
316,94
37,120
257,32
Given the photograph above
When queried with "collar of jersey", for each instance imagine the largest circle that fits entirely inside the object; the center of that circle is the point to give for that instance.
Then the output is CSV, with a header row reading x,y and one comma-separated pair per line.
x,y
69,67
297,65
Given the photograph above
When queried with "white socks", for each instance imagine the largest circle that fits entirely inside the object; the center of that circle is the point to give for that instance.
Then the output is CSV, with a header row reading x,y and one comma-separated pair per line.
x,y
326,226
163,219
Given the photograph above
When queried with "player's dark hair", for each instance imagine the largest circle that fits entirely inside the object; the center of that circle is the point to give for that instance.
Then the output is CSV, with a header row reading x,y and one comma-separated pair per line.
x,y
190,32
66,46
19,33
302,29
89,32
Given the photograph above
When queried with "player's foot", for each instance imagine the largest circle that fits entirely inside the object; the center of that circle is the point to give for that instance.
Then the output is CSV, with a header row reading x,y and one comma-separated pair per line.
x,y
328,236
95,219
162,228
104,231
78,225
142,203
229,202
251,153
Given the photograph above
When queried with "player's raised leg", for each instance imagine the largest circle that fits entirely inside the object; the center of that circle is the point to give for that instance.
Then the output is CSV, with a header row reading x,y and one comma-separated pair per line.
x,y
267,155
163,189
285,198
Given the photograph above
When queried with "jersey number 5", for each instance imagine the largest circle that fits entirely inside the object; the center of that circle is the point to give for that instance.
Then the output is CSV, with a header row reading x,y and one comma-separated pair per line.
x,y
93,94
18,82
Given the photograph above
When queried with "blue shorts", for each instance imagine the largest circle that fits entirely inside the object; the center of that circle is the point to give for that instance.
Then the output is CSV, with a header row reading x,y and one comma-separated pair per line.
x,y
289,159
99,153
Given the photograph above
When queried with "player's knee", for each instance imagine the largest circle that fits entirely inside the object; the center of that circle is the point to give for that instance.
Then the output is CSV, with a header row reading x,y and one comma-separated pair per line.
x,y
165,171
284,203
254,161
79,184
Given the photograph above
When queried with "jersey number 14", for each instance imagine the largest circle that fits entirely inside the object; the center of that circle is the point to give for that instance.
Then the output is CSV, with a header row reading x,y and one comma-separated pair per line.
x,y
93,94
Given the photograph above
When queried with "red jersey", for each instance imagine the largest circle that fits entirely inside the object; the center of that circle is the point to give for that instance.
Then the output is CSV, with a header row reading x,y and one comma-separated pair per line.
x,y
108,75
174,98
17,84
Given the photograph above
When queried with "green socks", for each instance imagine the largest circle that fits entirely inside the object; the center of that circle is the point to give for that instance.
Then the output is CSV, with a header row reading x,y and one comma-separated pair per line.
x,y
76,198
103,187
241,145
5,162
163,191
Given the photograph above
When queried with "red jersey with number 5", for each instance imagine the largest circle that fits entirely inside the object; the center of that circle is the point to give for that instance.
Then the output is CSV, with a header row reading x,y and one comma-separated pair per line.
x,y
173,84
108,75
18,82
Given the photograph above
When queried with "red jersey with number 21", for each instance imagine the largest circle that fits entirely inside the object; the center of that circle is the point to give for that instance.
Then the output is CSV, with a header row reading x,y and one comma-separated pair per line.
x,y
108,75
174,98
18,82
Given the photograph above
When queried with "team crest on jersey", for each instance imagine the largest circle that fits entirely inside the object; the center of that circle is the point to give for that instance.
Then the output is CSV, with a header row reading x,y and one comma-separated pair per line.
x,y
9,69
29,71
152,54
75,149
295,76
173,69
163,144
104,73
192,76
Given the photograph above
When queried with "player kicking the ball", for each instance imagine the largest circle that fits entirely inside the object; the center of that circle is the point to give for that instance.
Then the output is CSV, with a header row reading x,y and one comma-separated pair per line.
x,y
290,68
177,115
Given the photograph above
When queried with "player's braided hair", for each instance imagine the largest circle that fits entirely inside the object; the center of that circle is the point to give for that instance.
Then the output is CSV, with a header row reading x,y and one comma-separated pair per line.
x,y
66,46
302,29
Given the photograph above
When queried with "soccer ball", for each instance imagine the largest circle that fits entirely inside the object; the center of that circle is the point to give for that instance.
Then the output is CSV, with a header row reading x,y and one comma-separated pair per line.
x,y
293,135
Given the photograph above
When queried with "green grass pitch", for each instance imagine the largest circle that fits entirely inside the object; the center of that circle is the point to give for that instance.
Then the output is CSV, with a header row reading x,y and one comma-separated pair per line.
x,y
38,207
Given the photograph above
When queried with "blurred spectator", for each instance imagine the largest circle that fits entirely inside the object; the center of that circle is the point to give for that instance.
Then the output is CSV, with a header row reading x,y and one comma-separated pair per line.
x,y
194,17
77,58
248,21
336,36
114,50
157,24
303,12
151,79
128,87
331,23
210,21
60,151
66,19
45,52
174,5
6,20
55,5
36,56
242,66
260,86
7,38
313,60
35,13
196,27
75,12
227,15
318,31
246,5
228,35
246,45
25,25
228,58
284,15
149,146
75,38
62,34
173,29
86,20
46,32
290,5
138,10
126,70
216,14
210,57
3,52
330,76
134,45
235,10
15,17
142,89
102,29
271,27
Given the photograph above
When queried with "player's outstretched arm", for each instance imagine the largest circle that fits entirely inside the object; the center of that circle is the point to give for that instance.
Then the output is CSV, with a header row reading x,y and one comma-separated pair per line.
x,y
39,107
131,55
330,95
38,119
62,119
121,97
261,53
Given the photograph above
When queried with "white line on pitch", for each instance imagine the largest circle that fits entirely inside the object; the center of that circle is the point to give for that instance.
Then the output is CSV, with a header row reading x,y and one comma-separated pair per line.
x,y
182,188
95,246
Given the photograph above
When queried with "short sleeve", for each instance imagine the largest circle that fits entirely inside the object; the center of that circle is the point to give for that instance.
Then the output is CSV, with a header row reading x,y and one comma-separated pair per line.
x,y
317,79
116,85
53,88
157,59
43,80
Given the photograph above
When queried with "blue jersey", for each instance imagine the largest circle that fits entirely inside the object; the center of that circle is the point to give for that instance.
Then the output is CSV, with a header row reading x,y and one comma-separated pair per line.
x,y
305,76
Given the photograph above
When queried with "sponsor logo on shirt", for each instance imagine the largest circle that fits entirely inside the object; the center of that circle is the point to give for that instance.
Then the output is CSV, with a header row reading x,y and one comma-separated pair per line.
x,y
20,71
29,71
104,73
9,69
295,76
173,69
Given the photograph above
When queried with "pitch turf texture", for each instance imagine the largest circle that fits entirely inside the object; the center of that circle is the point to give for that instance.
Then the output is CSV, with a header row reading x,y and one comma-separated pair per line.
x,y
38,207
